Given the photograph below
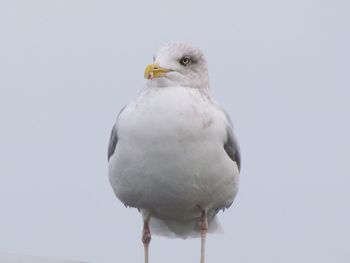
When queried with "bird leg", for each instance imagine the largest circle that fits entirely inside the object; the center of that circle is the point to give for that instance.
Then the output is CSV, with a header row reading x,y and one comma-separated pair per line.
x,y
204,229
146,236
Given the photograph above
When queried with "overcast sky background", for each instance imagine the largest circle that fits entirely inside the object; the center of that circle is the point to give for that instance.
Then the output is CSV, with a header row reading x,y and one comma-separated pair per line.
x,y
280,67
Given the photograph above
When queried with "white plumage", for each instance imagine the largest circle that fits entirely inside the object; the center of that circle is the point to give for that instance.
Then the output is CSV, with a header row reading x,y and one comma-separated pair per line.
x,y
169,152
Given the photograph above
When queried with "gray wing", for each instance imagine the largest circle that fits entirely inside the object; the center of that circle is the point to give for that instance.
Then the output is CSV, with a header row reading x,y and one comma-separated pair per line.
x,y
231,145
114,137
112,141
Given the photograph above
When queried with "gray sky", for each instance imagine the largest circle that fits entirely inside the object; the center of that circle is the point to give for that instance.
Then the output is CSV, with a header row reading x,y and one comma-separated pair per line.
x,y
280,67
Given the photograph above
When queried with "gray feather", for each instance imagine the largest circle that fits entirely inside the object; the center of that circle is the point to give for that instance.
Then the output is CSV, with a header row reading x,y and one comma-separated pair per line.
x,y
112,141
231,145
114,137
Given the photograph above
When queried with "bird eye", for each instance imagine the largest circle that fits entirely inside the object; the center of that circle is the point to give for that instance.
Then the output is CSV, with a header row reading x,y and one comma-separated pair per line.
x,y
185,61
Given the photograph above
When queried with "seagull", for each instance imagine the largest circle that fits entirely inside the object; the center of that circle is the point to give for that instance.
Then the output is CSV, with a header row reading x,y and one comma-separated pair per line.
x,y
172,152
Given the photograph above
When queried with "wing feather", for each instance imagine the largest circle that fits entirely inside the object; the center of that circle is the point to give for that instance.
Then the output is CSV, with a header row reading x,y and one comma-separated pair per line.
x,y
114,137
231,145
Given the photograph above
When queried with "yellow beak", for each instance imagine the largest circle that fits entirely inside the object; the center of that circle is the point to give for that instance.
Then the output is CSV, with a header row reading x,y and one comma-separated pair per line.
x,y
155,71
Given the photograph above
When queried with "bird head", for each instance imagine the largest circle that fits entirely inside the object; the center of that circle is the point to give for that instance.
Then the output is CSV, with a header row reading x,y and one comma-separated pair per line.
x,y
178,64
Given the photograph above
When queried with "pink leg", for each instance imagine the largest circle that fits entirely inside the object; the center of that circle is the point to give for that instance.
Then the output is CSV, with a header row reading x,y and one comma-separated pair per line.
x,y
146,237
204,229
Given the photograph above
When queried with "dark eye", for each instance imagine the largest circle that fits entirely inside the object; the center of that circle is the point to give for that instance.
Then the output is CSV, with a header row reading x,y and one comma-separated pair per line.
x,y
184,61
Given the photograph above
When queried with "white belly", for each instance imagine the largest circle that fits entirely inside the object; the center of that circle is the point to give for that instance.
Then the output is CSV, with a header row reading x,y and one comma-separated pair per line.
x,y
170,157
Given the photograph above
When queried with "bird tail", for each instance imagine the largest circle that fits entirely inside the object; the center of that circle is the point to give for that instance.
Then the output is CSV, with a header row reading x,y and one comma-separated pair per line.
x,y
183,229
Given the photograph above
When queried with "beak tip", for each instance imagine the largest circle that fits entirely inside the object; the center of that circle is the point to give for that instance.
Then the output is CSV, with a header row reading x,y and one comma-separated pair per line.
x,y
148,75
154,71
